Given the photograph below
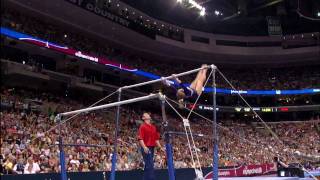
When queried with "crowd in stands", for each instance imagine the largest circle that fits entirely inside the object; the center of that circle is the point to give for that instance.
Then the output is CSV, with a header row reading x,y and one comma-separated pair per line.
x,y
28,147
241,78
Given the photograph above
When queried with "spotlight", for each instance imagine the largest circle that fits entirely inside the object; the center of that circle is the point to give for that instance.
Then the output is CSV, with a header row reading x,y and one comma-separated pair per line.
x,y
203,12
318,14
216,12
195,4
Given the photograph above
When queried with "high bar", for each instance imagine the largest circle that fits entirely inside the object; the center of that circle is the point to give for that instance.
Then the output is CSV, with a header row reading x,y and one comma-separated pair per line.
x,y
143,98
168,77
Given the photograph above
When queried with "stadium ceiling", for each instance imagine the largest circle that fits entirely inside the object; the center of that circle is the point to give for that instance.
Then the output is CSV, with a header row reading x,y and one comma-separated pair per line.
x,y
233,16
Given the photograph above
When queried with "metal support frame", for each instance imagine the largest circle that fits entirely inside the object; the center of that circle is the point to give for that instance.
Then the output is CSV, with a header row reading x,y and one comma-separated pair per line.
x,y
215,163
115,141
118,104
171,171
62,158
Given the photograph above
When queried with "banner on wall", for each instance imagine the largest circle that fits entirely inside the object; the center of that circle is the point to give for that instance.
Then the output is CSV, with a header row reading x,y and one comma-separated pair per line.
x,y
107,62
245,171
99,10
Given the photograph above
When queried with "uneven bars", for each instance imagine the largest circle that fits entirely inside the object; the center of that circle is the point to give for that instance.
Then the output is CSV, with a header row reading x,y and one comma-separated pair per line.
x,y
183,133
168,77
143,98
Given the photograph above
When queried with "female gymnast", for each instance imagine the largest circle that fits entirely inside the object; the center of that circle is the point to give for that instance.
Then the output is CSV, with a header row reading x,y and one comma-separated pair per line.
x,y
193,91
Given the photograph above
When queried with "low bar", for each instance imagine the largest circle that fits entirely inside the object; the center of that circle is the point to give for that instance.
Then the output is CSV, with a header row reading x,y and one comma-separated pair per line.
x,y
168,77
183,134
87,145
143,98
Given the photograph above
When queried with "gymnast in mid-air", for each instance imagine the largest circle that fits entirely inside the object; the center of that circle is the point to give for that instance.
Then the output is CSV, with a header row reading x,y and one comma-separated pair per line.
x,y
193,90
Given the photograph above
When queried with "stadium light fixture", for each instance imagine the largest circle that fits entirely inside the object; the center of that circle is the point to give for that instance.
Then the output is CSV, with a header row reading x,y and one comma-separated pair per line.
x,y
203,12
318,14
195,4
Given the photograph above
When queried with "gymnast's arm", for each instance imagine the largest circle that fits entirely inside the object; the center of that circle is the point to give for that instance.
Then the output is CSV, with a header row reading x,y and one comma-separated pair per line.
x,y
174,83
145,148
175,78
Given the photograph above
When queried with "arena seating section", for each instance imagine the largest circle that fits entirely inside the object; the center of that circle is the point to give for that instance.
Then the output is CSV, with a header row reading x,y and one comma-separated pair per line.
x,y
23,128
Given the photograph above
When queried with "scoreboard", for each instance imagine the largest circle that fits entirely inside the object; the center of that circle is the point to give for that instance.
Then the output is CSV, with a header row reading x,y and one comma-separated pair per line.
x,y
257,109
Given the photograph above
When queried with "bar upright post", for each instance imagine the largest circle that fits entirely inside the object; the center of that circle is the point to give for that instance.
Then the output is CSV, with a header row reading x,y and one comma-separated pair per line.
x,y
115,141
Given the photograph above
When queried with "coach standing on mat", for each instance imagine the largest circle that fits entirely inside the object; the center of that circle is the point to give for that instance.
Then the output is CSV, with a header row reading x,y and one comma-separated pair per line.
x,y
148,139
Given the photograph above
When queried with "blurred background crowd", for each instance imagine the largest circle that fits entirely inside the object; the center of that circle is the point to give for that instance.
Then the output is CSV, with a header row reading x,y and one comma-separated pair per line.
x,y
29,136
29,143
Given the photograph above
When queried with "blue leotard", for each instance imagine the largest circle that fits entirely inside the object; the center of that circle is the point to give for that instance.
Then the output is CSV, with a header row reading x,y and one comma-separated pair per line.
x,y
188,91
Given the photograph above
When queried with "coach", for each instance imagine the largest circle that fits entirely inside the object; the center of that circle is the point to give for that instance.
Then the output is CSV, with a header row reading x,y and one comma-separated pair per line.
x,y
148,139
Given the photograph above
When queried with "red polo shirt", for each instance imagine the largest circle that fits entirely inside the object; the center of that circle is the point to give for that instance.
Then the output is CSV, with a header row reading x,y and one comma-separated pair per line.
x,y
148,133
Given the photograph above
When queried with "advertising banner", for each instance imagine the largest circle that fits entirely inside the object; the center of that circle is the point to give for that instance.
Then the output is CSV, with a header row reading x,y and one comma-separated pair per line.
x,y
245,170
